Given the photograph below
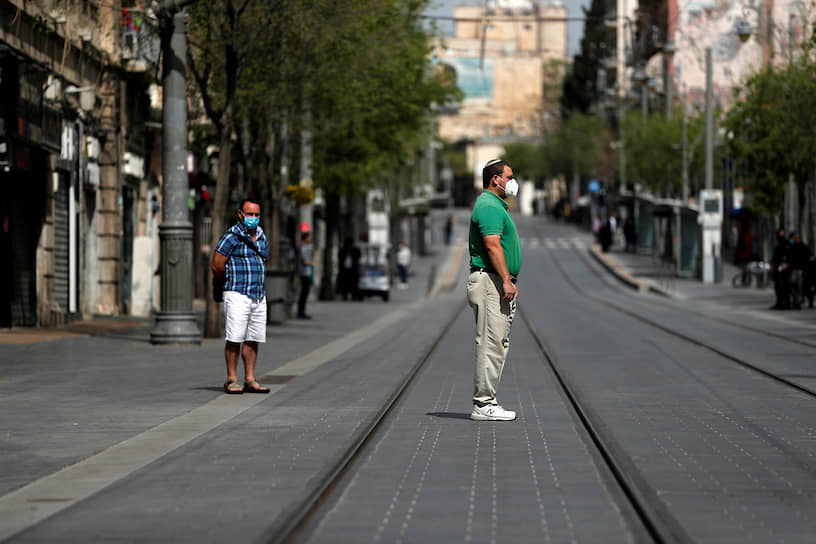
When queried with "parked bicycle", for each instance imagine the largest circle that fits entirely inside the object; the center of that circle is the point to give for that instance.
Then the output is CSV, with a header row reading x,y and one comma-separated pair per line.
x,y
754,272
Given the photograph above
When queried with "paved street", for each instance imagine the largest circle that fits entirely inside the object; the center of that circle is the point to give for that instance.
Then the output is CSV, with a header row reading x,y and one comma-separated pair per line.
x,y
650,408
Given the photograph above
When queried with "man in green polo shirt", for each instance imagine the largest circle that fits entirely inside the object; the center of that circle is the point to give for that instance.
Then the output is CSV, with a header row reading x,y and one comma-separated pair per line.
x,y
495,261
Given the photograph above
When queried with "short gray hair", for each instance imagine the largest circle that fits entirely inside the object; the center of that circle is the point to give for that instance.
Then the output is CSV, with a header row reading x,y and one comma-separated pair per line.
x,y
493,167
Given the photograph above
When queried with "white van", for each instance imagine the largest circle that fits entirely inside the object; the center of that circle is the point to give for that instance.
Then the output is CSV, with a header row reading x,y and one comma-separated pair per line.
x,y
375,276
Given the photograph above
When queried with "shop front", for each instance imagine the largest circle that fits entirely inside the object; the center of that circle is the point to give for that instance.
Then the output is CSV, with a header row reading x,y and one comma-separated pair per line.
x,y
35,211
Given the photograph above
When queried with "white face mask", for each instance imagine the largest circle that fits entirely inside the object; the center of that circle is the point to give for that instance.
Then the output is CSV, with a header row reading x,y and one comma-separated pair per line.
x,y
511,188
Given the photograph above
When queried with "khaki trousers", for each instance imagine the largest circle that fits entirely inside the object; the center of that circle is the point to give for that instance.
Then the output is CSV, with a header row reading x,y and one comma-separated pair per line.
x,y
494,317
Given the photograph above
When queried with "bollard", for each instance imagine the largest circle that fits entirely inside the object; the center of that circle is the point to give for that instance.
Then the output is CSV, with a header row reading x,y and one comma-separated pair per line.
x,y
278,295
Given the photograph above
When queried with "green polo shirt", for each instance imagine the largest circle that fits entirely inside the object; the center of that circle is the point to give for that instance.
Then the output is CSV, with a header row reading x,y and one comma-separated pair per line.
x,y
490,216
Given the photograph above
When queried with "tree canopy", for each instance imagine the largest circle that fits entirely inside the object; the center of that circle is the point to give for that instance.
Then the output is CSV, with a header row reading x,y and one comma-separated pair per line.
x,y
770,129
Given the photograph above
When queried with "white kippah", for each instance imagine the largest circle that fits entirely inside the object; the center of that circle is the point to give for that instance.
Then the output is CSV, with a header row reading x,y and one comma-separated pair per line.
x,y
491,162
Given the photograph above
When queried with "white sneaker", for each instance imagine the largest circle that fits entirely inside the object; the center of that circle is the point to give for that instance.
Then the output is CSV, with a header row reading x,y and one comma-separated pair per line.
x,y
491,412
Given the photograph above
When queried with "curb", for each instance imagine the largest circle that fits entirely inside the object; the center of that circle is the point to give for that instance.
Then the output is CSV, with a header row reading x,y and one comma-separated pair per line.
x,y
620,273
625,277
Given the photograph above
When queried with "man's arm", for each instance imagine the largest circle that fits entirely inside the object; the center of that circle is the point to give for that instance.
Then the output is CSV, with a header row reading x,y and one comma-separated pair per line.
x,y
218,265
496,254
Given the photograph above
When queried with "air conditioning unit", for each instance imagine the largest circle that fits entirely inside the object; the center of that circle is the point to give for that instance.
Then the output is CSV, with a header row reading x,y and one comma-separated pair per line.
x,y
92,174
53,89
133,165
92,148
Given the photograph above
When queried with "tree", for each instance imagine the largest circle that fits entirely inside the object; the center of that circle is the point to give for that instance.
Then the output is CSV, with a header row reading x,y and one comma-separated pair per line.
x,y
371,105
581,88
770,129
654,153
223,35
580,147
356,76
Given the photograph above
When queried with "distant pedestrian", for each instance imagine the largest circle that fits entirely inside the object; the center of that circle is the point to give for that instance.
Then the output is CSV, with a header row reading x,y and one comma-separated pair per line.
x,y
403,262
348,275
306,270
449,229
613,226
605,235
238,266
799,257
629,234
780,270
809,280
495,261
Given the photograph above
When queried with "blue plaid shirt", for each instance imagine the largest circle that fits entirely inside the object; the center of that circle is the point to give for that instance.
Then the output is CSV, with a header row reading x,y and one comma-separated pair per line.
x,y
245,268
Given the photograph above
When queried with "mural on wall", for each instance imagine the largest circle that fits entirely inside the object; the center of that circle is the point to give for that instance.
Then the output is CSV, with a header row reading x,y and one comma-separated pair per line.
x,y
713,23
474,77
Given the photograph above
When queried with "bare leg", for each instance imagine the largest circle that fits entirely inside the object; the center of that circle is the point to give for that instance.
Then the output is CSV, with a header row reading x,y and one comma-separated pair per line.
x,y
250,354
231,352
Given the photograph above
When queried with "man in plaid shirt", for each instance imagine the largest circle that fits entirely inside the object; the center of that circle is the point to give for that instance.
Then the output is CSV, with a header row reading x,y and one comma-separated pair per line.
x,y
238,263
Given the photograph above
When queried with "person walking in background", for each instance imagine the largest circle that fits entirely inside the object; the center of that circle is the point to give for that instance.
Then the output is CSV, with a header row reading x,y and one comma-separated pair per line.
x,y
629,234
596,228
605,235
306,268
613,227
238,265
448,229
495,261
348,277
781,272
799,260
403,261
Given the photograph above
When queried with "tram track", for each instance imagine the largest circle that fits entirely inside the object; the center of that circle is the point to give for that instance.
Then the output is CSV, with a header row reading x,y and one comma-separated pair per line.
x,y
636,495
292,521
734,324
685,337
658,522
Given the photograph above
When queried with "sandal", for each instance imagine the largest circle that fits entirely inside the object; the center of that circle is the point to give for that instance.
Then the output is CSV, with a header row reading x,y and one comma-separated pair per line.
x,y
253,386
232,387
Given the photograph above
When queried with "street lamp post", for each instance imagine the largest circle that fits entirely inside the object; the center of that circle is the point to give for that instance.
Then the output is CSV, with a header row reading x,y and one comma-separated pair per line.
x,y
668,52
640,78
685,155
175,322
709,123
711,207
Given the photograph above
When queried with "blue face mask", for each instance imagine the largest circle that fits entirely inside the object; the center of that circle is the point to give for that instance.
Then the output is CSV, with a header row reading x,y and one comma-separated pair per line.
x,y
251,222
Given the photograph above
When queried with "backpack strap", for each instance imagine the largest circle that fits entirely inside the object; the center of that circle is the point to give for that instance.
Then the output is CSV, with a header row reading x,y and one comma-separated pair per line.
x,y
252,246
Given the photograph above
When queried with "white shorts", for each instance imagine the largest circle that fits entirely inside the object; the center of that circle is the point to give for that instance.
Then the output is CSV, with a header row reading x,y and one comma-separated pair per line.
x,y
245,318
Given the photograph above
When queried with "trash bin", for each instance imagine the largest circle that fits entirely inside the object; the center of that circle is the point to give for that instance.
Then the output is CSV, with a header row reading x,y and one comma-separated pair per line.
x,y
278,299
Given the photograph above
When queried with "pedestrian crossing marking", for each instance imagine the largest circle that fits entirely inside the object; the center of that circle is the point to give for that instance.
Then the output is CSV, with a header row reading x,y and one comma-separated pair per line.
x,y
548,242
554,243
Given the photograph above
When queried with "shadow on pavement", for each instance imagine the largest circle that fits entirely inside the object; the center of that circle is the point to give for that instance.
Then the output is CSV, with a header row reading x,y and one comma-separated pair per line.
x,y
451,415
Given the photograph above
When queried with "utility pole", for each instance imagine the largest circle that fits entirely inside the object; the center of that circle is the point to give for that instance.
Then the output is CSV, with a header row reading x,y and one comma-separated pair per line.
x,y
685,155
709,125
710,215
668,52
175,322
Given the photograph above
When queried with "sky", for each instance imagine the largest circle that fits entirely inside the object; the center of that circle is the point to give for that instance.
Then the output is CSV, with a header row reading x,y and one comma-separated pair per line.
x,y
575,29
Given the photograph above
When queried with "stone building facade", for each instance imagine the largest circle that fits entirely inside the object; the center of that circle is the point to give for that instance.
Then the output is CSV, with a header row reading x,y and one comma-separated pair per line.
x,y
509,58
74,136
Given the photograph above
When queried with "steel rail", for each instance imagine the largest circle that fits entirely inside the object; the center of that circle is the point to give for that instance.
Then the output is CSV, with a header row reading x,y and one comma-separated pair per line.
x,y
706,316
658,521
687,338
